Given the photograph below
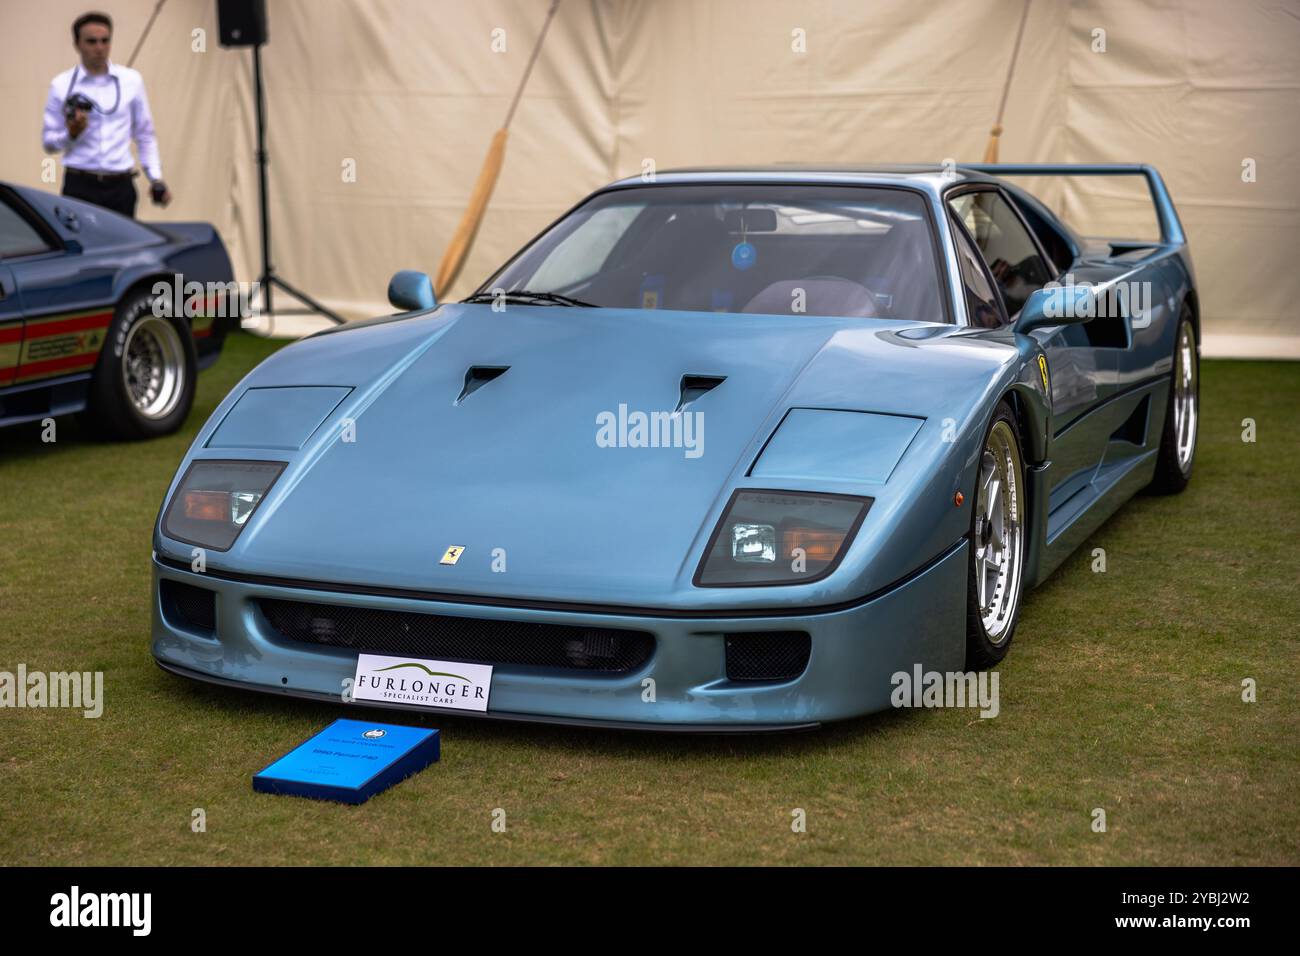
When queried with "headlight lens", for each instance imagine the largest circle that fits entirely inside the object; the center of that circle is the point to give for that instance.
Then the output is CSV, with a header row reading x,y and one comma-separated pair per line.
x,y
753,543
215,499
780,537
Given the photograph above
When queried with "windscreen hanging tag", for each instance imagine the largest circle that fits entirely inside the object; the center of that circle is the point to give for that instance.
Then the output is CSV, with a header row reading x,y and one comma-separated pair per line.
x,y
744,253
743,256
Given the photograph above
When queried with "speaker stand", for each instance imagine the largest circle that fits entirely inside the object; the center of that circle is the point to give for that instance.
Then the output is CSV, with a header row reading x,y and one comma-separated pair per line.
x,y
270,279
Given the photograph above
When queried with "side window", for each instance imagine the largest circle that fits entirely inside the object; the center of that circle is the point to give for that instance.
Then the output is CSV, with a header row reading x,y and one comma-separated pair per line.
x,y
981,298
1058,250
17,237
1005,243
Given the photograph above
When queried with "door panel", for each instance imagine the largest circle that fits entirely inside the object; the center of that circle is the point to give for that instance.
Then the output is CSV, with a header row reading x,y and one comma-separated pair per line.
x,y
1081,376
11,327
65,295
69,306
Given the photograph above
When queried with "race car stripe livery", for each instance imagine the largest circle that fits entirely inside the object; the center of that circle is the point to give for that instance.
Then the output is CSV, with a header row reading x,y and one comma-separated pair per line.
x,y
62,344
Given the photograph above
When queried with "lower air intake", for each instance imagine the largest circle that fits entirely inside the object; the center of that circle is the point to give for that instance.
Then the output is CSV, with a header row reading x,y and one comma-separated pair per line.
x,y
410,634
186,606
767,655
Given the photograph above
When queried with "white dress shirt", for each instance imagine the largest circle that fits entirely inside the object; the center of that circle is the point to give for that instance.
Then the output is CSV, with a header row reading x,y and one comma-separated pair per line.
x,y
104,146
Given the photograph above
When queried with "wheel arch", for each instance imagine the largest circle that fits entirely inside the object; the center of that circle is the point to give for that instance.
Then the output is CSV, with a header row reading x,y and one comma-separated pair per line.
x,y
1031,420
144,282
141,282
1032,424
1193,302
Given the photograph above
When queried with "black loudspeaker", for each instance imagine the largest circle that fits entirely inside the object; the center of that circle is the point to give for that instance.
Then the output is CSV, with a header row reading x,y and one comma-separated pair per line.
x,y
242,22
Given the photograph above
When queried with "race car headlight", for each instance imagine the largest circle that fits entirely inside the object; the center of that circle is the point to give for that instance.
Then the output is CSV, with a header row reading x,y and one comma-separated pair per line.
x,y
779,537
215,499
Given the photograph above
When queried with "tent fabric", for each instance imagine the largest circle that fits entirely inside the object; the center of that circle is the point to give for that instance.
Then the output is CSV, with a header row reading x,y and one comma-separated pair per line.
x,y
380,114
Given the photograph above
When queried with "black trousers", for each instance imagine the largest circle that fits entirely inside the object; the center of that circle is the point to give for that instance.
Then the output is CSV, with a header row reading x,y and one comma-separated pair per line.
x,y
117,193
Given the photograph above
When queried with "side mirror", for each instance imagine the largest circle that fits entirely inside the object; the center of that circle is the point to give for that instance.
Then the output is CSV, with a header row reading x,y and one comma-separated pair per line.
x,y
1057,305
411,291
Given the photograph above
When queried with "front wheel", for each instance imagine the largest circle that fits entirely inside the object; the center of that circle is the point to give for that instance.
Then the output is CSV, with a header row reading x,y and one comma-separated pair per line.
x,y
997,547
144,381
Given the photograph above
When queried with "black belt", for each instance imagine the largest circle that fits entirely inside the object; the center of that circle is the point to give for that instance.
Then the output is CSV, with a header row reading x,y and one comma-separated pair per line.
x,y
98,177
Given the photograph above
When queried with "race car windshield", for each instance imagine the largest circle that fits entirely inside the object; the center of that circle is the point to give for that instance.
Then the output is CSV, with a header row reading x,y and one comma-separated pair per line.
x,y
762,249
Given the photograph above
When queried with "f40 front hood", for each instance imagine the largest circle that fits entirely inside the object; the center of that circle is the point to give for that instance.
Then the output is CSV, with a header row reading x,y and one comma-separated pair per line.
x,y
527,439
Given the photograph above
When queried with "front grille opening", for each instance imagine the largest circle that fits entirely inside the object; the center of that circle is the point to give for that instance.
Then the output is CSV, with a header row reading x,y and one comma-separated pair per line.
x,y
767,655
187,606
410,634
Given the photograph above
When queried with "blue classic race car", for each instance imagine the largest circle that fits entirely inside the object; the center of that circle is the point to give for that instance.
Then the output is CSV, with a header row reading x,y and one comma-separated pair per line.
x,y
729,450
79,330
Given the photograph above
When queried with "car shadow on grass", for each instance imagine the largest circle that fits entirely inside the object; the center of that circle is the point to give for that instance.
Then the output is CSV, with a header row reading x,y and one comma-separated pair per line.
x,y
28,440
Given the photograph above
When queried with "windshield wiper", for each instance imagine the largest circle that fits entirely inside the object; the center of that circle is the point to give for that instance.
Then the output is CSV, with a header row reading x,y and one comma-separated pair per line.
x,y
524,297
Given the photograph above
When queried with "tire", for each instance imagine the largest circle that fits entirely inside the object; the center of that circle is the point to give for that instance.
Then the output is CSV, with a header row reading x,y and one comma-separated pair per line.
x,y
998,508
144,381
1177,452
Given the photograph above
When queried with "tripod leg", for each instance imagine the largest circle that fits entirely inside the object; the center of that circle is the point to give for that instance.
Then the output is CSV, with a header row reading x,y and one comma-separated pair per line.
x,y
308,301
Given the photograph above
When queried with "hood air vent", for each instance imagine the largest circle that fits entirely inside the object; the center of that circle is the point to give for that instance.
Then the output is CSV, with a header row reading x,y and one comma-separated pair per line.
x,y
696,386
478,376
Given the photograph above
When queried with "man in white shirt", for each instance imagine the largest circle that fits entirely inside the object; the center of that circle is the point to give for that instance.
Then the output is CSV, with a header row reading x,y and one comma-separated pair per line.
x,y
92,114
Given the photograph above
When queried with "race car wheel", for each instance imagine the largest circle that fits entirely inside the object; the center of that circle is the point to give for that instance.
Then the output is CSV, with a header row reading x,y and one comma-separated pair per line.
x,y
145,379
997,546
1182,414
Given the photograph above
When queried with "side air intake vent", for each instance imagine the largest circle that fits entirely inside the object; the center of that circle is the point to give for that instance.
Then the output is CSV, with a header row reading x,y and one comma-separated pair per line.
x,y
1134,429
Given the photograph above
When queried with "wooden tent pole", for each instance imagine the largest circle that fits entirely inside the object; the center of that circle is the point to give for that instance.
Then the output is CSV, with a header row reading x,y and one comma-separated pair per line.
x,y
463,238
991,151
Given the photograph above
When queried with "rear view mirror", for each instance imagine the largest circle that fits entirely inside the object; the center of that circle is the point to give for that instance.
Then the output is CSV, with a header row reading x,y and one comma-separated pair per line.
x,y
1056,305
411,291
751,220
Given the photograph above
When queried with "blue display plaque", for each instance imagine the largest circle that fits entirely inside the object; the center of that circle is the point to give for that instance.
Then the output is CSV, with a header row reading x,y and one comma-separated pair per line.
x,y
350,761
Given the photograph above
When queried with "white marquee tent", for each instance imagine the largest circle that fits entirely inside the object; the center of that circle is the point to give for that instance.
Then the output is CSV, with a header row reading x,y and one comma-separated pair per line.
x,y
406,94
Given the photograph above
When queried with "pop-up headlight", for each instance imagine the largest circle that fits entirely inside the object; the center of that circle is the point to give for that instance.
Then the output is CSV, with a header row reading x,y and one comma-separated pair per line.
x,y
215,499
780,537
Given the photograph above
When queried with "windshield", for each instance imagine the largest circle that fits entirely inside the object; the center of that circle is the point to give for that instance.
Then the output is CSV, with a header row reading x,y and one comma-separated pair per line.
x,y
768,249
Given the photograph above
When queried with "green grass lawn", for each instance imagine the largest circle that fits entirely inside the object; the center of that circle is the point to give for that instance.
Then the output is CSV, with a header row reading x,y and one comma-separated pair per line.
x,y
1123,691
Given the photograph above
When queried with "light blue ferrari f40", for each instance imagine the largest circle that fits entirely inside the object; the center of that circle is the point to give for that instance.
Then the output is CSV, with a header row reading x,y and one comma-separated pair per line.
x,y
728,450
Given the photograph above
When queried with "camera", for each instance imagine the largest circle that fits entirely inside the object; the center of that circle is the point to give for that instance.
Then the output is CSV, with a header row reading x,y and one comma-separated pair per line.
x,y
77,101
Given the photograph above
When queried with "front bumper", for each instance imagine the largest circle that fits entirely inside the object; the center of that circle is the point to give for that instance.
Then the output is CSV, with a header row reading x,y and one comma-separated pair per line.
x,y
855,653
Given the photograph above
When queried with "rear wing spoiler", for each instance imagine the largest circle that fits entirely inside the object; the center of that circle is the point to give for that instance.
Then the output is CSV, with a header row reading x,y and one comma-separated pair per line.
x,y
1171,229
